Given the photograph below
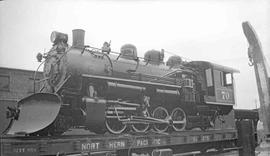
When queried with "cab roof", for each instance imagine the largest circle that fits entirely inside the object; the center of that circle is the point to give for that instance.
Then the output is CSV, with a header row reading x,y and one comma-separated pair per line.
x,y
205,64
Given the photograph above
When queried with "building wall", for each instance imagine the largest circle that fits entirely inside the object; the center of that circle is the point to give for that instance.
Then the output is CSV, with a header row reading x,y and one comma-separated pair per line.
x,y
14,85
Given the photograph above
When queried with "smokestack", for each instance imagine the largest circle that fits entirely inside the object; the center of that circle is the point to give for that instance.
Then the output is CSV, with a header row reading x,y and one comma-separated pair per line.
x,y
78,38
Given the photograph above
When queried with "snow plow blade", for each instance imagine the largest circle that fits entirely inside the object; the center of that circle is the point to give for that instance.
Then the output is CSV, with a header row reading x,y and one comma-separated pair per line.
x,y
35,113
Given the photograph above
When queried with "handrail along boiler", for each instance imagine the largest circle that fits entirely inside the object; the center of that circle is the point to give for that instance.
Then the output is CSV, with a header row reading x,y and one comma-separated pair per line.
x,y
101,90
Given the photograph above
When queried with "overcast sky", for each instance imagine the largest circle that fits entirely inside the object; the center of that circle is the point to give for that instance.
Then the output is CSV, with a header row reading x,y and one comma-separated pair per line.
x,y
196,29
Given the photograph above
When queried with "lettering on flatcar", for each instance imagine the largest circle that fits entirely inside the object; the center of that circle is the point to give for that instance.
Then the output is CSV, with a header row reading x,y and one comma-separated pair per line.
x,y
90,146
156,142
206,138
142,142
194,138
25,150
116,144
19,150
31,149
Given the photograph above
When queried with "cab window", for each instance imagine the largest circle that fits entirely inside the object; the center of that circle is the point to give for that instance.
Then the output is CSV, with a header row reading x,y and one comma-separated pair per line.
x,y
227,79
209,77
210,82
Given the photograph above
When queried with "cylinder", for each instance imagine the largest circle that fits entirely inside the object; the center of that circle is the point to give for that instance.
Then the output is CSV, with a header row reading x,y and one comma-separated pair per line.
x,y
78,38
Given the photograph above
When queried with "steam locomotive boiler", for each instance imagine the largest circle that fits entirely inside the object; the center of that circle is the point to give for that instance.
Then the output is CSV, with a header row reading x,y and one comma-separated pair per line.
x,y
104,91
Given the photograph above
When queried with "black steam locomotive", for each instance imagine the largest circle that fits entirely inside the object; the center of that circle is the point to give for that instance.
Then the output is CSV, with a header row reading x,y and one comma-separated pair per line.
x,y
101,90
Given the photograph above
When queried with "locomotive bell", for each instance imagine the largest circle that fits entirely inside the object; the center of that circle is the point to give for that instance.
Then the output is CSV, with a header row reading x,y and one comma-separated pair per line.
x,y
78,38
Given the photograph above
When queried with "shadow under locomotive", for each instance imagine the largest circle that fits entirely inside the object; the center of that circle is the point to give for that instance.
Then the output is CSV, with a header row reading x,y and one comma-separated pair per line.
x,y
101,91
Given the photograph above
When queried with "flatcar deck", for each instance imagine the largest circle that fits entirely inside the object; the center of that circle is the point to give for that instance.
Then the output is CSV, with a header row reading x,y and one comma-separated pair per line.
x,y
72,144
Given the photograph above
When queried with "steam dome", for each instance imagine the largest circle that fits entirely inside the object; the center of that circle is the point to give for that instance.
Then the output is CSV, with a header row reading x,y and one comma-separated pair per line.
x,y
128,51
154,57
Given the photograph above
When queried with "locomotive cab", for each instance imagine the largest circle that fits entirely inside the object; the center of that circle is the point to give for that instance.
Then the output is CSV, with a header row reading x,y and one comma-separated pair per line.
x,y
217,83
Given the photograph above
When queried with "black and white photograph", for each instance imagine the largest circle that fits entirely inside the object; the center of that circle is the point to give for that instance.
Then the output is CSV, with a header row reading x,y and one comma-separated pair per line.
x,y
134,78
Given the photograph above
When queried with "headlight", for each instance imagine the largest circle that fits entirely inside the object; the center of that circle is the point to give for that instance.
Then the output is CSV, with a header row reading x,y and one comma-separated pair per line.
x,y
53,36
57,37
